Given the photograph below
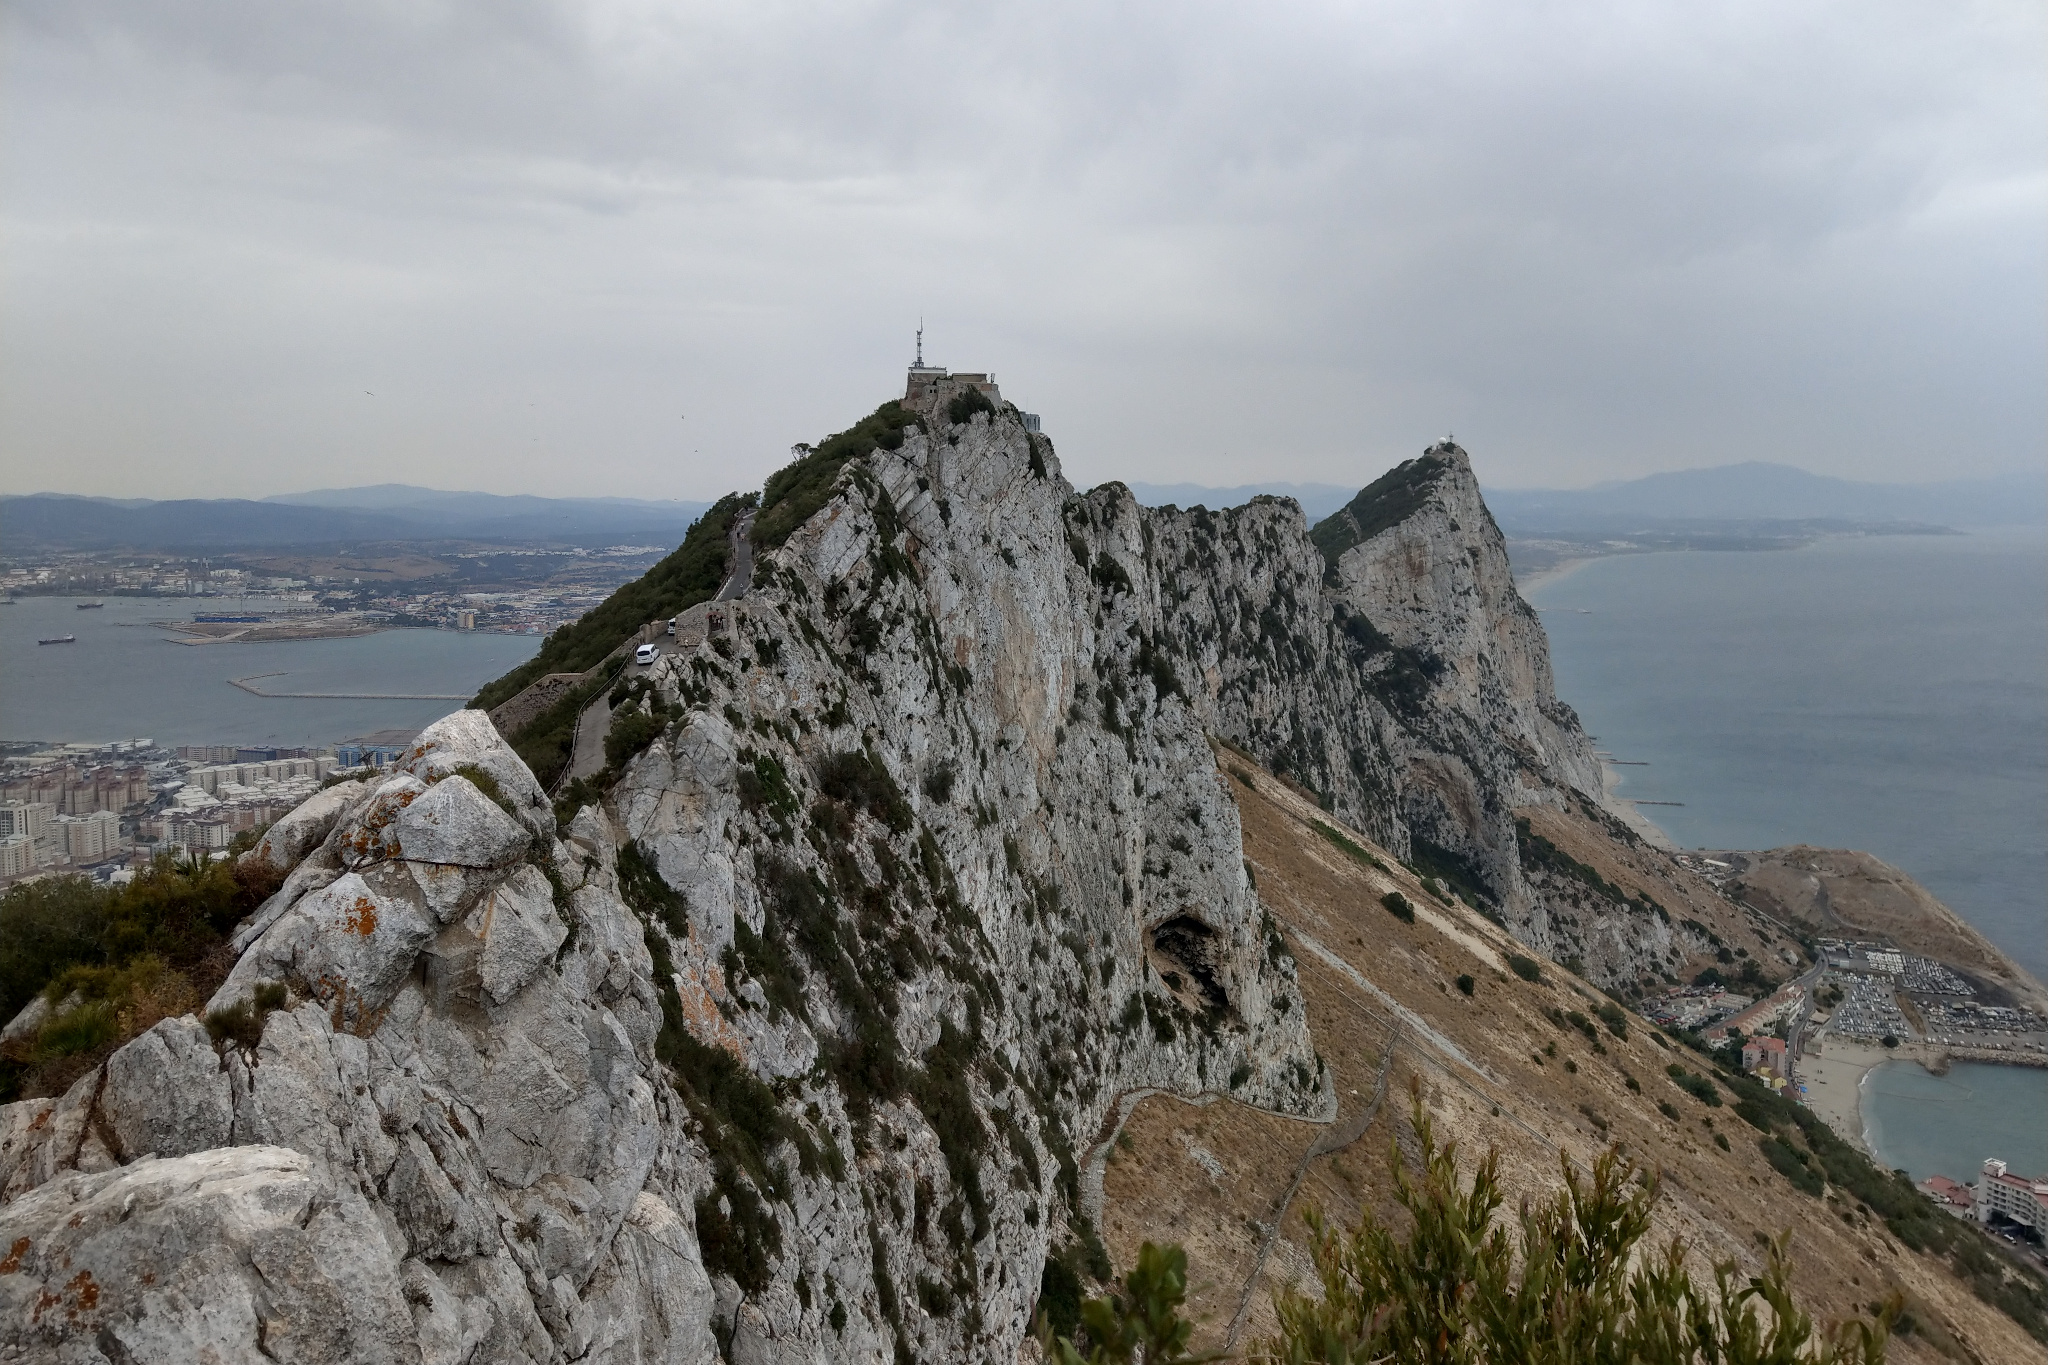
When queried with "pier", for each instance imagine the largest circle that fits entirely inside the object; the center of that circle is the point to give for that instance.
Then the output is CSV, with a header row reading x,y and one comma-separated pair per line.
x,y
248,685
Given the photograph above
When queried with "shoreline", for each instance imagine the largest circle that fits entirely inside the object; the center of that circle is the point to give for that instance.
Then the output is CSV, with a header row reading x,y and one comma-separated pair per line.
x,y
1621,807
1835,1070
1552,573
1630,814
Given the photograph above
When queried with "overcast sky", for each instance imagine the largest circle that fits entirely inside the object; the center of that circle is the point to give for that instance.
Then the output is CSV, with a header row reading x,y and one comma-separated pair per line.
x,y
642,248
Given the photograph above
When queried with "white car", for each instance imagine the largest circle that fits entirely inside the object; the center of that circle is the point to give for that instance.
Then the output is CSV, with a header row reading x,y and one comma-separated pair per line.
x,y
646,654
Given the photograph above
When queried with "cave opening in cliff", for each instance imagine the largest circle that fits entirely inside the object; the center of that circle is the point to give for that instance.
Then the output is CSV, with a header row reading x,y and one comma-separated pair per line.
x,y
1184,952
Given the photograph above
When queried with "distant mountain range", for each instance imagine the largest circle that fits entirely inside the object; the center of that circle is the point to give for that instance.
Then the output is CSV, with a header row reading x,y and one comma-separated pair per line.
x,y
330,516
1756,491
1749,493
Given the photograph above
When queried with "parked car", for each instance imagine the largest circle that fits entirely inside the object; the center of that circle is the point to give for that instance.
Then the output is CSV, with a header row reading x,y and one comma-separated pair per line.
x,y
646,654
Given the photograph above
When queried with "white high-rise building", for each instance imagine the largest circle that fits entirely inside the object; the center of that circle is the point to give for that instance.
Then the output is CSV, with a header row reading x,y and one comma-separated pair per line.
x,y
1999,1192
32,818
91,838
17,855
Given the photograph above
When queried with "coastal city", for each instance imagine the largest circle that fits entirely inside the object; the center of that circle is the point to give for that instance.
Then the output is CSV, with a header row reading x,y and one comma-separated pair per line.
x,y
105,811
507,590
1864,1003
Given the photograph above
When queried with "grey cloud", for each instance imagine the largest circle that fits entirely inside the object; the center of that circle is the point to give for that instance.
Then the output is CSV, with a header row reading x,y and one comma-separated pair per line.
x,y
1203,239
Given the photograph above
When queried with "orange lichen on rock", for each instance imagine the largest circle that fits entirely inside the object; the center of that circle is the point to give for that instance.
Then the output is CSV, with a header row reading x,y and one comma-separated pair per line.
x,y
86,1293
361,917
14,1255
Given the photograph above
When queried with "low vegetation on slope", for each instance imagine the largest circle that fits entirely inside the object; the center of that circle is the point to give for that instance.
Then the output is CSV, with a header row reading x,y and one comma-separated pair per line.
x,y
1519,1055
1391,498
1563,1283
132,955
688,576
798,489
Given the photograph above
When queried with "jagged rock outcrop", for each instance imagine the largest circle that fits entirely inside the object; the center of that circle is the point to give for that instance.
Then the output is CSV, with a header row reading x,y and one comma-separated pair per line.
x,y
794,1061
423,1125
1385,661
793,1048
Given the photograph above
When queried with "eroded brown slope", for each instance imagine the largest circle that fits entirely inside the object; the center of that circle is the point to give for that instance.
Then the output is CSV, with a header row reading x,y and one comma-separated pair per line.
x,y
1383,1004
1628,945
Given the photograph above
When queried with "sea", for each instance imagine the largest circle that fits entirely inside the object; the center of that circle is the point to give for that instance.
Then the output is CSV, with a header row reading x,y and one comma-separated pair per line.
x,y
1883,693
127,679
1946,1125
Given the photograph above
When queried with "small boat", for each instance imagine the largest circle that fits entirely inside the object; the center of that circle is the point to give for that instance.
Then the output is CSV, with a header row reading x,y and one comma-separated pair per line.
x,y
90,606
59,640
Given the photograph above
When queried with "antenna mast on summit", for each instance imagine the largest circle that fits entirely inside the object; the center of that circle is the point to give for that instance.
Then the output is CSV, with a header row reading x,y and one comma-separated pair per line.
x,y
920,343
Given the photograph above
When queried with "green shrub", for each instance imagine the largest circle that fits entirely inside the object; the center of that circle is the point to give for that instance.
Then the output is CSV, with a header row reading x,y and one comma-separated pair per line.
x,y
117,943
645,892
1525,967
1140,1322
82,1028
690,575
237,1024
1059,1298
242,1022
1752,1113
796,491
1792,1163
1466,984
1699,1087
858,779
629,735
1453,870
1563,1282
488,785
1342,840
1397,905
964,405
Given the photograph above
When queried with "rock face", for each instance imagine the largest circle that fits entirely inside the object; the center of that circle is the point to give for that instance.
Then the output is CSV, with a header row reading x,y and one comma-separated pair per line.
x,y
429,1141
794,1049
1384,661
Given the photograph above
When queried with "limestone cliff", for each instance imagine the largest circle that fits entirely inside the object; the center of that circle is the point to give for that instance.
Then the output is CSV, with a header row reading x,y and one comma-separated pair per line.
x,y
792,1047
787,1052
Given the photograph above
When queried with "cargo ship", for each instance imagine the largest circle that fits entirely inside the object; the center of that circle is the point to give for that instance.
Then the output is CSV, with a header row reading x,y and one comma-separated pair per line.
x,y
59,640
90,606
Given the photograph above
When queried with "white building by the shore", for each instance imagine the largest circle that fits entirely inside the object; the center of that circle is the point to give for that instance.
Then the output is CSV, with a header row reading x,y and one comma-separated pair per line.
x,y
2000,1192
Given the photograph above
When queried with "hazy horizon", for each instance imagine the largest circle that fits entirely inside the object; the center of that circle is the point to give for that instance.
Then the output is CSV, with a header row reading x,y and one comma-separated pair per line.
x,y
707,497
596,249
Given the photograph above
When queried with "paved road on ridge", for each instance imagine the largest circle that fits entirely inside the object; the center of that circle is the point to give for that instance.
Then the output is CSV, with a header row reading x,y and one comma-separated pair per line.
x,y
742,576
587,756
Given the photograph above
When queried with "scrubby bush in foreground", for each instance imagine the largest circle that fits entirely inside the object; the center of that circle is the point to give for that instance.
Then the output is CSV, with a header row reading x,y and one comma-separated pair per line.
x,y
1562,1284
117,958
1557,1285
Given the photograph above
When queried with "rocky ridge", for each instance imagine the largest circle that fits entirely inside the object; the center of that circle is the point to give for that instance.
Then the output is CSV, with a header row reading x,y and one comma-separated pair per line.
x,y
795,1045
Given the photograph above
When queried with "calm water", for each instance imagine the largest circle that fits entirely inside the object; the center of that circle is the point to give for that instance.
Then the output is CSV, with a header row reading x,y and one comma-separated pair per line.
x,y
123,680
1910,1118
1888,694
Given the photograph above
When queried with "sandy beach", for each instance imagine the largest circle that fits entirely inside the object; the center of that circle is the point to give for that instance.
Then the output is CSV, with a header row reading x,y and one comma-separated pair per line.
x,y
1628,812
1544,577
1833,1074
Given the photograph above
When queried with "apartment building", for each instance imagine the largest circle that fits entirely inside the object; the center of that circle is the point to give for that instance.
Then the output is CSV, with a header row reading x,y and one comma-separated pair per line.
x,y
2000,1192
